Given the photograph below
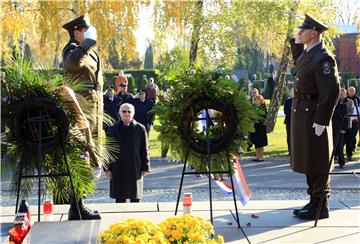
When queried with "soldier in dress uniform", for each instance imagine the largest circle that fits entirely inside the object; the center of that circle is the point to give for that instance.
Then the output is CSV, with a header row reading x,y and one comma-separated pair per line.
x,y
81,62
316,92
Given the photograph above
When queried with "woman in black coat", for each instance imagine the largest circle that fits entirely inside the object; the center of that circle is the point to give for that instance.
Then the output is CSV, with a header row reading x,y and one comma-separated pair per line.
x,y
132,162
259,137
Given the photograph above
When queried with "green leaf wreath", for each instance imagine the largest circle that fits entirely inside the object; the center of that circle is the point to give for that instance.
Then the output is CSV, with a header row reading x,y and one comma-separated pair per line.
x,y
204,89
20,82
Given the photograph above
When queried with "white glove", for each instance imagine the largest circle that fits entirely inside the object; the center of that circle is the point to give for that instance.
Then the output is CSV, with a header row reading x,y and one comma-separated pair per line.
x,y
91,33
319,129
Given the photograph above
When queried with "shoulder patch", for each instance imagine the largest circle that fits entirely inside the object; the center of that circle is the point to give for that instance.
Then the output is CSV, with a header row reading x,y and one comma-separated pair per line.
x,y
326,67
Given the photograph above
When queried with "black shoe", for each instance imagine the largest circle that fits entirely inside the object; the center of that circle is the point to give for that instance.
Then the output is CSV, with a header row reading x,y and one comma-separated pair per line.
x,y
85,212
341,166
307,206
349,158
310,214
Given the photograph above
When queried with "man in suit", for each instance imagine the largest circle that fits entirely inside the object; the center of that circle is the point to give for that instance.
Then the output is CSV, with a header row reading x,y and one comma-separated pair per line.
x,y
81,62
316,92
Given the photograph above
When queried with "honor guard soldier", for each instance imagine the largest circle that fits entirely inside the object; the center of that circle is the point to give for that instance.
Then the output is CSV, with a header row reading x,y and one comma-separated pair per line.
x,y
81,62
316,92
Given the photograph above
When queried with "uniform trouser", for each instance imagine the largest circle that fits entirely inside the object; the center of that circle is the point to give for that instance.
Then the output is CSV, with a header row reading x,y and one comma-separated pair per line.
x,y
315,183
288,137
350,139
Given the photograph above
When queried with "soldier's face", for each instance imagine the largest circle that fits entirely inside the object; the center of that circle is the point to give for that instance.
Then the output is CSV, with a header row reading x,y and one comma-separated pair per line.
x,y
305,36
79,34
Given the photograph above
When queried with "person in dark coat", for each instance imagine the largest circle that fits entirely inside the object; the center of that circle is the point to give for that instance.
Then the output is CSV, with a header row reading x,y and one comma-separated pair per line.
x,y
132,162
143,107
345,106
124,96
287,121
270,84
316,92
350,135
81,62
111,103
259,137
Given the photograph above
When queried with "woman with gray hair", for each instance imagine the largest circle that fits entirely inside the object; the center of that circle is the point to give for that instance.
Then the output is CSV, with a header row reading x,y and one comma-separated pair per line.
x,y
132,163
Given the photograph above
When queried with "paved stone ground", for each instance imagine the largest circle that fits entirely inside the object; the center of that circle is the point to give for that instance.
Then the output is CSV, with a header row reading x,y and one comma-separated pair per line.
x,y
268,180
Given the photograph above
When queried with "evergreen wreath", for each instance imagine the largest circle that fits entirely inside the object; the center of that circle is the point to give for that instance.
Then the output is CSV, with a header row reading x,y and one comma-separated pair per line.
x,y
181,112
25,90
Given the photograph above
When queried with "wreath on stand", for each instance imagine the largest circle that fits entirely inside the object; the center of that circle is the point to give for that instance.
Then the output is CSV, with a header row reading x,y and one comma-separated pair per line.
x,y
26,91
184,123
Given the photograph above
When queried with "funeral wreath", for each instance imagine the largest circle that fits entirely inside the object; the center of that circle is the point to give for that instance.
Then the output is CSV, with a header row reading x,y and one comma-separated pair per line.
x,y
202,106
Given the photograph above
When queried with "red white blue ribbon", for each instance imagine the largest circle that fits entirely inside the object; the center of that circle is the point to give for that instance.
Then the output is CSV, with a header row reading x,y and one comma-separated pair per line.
x,y
241,187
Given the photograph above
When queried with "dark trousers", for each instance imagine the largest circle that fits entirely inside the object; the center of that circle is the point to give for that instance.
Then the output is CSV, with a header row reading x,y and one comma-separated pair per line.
x,y
350,139
122,200
339,151
288,137
315,183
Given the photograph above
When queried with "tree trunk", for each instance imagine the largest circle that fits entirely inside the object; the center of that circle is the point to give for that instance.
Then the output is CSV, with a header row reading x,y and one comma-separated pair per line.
x,y
285,59
57,54
195,35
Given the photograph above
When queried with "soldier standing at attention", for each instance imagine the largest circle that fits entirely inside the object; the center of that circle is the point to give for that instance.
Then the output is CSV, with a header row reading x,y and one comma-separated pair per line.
x,y
82,63
316,92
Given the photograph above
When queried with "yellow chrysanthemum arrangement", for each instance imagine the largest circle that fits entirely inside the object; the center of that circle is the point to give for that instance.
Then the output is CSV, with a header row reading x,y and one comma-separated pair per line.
x,y
188,229
139,231
174,230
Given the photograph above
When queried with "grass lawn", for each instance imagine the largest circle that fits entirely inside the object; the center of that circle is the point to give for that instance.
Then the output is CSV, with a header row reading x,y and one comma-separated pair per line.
x,y
276,147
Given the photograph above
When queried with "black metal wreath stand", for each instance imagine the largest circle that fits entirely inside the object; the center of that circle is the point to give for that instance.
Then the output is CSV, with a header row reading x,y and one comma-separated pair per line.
x,y
38,122
208,172
329,165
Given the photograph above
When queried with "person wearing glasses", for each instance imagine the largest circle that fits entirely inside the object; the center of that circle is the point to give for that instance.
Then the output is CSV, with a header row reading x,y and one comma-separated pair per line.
x,y
132,162
123,95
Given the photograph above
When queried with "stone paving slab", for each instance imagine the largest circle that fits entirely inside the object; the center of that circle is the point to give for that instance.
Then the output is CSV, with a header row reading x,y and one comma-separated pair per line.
x,y
231,234
284,218
103,207
352,204
256,205
33,218
221,218
303,235
275,224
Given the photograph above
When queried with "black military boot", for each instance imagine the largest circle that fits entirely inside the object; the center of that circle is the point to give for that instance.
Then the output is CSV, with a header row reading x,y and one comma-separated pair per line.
x,y
310,213
84,211
307,206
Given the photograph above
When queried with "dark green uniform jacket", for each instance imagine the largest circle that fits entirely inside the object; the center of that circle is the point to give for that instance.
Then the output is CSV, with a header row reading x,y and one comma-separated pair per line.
x,y
316,92
81,62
